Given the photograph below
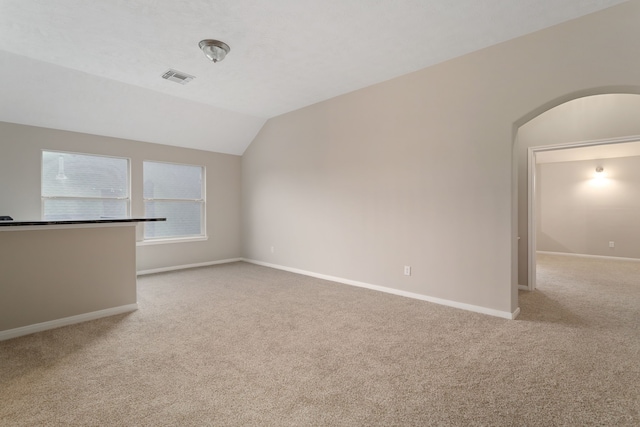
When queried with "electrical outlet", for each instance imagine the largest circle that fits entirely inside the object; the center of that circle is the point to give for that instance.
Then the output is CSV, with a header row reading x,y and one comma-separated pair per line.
x,y
273,249
612,244
407,270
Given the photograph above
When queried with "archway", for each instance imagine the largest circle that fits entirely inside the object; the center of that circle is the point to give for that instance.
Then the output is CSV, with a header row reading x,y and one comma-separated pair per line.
x,y
583,120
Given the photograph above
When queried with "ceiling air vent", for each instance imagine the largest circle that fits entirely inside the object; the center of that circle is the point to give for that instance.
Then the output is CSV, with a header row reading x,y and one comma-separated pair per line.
x,y
177,76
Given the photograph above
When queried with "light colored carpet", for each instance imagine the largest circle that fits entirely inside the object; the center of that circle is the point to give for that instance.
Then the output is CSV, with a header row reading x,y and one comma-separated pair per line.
x,y
241,345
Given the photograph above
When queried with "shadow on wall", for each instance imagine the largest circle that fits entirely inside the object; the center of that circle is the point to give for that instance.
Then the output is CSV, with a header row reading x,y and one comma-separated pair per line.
x,y
550,244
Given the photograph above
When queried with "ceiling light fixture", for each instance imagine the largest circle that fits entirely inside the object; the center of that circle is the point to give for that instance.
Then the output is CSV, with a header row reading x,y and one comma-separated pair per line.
x,y
214,50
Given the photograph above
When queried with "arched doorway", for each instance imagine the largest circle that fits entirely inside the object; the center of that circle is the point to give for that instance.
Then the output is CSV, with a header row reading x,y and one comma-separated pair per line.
x,y
603,120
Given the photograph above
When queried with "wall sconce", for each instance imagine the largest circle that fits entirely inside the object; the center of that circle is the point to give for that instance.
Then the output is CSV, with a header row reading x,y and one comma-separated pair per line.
x,y
600,173
599,178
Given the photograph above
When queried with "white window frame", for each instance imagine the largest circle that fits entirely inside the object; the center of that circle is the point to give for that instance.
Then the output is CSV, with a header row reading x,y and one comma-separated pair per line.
x,y
203,210
44,198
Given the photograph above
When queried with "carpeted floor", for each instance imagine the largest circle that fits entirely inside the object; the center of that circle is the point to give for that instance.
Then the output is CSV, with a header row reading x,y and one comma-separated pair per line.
x,y
243,345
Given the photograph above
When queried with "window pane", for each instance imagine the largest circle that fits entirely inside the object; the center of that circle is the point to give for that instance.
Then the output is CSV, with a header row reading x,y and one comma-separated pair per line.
x,y
58,209
171,181
78,175
183,219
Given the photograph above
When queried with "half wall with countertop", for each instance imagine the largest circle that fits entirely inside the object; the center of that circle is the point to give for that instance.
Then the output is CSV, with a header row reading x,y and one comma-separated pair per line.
x,y
58,273
20,165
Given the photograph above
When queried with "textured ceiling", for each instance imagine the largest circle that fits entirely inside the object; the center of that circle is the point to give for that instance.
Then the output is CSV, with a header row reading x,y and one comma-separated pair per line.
x,y
103,59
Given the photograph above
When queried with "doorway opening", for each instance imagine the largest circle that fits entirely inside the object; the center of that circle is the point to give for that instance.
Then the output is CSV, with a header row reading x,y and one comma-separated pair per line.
x,y
568,152
602,121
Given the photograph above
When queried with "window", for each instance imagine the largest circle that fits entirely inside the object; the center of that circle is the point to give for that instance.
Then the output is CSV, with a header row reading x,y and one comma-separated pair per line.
x,y
84,186
175,192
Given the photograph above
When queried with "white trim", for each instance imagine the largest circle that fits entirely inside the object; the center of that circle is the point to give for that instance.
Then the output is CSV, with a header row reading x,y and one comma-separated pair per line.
x,y
613,258
162,241
52,324
184,267
531,208
523,288
587,143
531,224
448,303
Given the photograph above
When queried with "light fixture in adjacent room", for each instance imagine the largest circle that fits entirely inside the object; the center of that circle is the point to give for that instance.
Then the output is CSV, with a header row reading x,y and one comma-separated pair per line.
x,y
599,178
214,50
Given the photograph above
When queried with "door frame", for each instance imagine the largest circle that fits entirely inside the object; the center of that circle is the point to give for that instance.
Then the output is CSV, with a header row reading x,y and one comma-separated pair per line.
x,y
531,192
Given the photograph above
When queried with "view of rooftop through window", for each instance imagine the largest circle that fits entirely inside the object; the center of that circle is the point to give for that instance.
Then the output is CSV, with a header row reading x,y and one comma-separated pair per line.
x,y
78,186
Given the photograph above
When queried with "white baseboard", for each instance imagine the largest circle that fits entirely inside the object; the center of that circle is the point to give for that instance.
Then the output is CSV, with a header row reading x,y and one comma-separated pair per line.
x,y
448,303
52,324
183,267
523,287
613,258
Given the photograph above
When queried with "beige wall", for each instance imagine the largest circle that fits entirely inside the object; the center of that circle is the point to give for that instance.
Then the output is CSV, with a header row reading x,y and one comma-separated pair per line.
x,y
580,214
420,170
51,274
590,118
20,159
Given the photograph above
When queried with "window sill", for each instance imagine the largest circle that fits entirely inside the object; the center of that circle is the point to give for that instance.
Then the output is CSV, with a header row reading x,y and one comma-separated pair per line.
x,y
172,240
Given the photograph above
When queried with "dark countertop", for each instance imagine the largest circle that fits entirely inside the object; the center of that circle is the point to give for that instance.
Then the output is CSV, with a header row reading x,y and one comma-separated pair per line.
x,y
12,223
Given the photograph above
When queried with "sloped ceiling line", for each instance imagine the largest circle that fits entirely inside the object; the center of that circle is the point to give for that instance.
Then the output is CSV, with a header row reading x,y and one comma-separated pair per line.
x,y
108,58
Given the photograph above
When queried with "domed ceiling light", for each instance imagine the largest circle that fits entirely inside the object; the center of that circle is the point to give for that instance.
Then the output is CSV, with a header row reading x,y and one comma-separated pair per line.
x,y
214,50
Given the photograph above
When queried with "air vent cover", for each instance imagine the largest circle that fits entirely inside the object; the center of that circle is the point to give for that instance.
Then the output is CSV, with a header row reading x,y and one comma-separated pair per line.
x,y
177,76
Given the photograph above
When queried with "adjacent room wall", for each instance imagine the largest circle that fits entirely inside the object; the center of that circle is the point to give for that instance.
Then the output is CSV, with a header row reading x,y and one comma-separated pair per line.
x,y
579,213
418,170
20,162
590,118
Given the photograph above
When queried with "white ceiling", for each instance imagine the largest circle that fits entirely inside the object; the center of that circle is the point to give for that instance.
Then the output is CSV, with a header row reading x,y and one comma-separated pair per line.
x,y
94,66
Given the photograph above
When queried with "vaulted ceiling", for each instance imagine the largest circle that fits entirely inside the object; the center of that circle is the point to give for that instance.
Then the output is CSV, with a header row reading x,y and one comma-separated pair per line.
x,y
96,66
